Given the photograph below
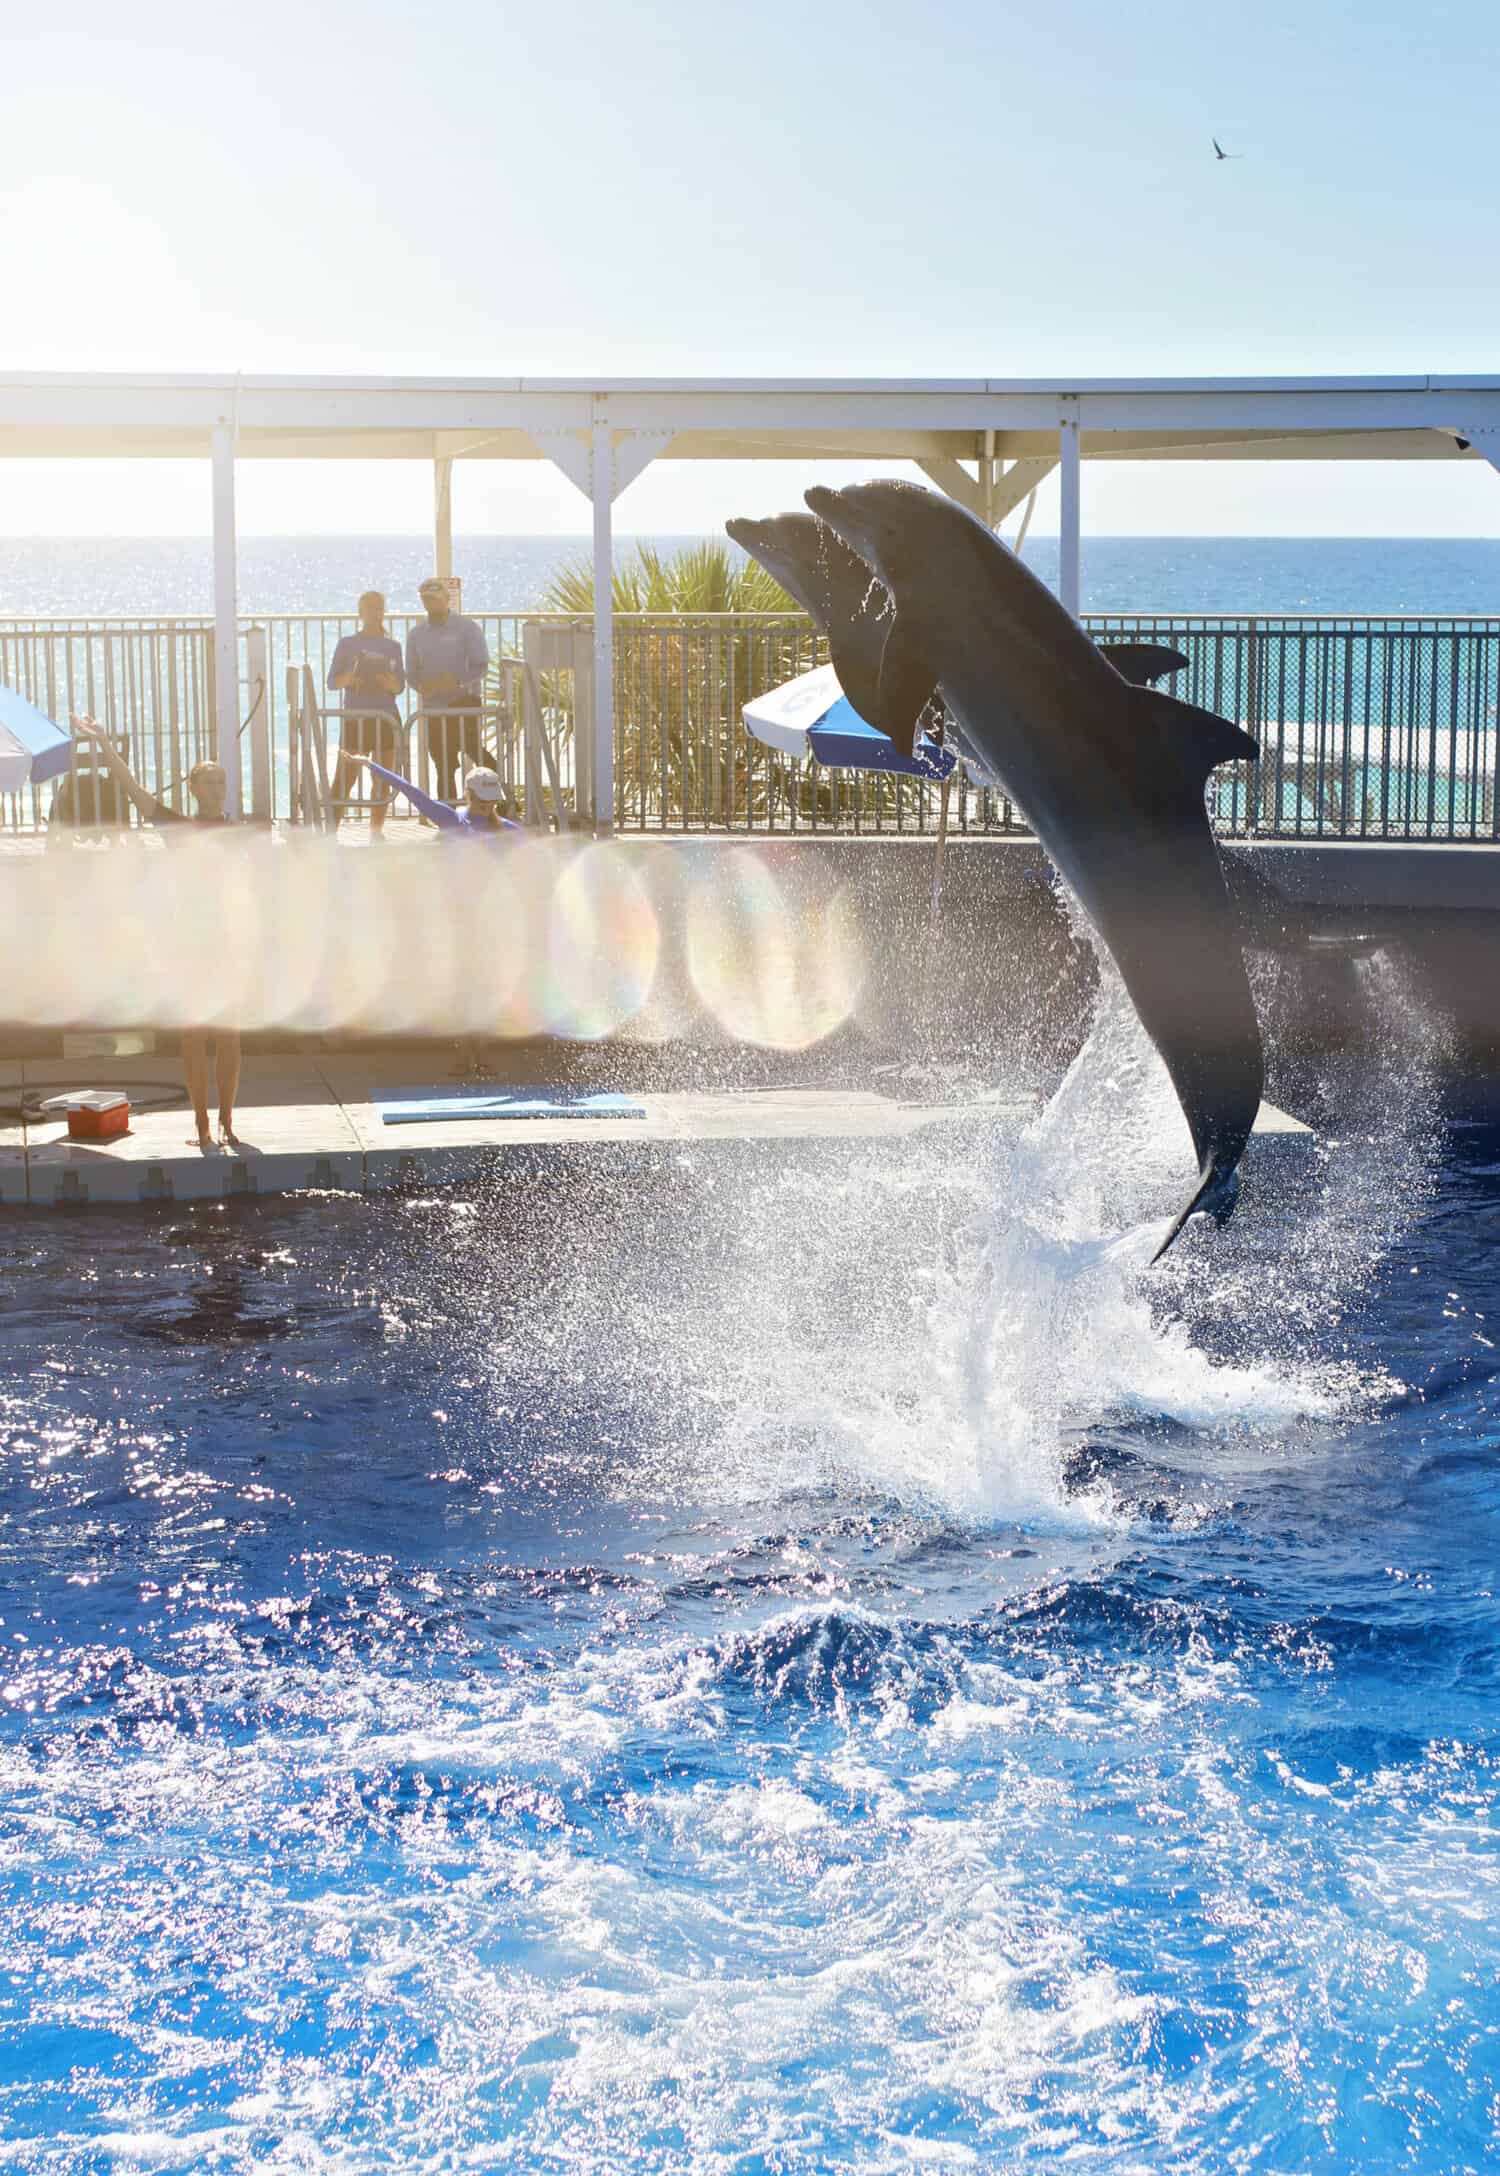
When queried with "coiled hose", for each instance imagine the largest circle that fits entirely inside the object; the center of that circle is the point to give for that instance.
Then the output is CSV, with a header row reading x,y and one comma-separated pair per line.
x,y
145,1095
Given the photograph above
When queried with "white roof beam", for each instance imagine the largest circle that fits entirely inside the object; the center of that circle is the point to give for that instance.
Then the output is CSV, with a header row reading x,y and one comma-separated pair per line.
x,y
1018,483
954,479
50,415
1006,492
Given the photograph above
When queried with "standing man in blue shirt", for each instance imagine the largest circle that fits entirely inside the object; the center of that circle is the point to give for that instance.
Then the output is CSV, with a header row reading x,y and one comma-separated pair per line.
x,y
447,658
366,668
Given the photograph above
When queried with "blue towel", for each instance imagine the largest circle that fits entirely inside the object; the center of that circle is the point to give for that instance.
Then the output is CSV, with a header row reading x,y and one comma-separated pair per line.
x,y
413,1107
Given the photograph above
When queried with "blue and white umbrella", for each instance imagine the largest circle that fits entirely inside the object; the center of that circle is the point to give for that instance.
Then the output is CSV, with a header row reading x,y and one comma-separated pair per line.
x,y
812,716
32,748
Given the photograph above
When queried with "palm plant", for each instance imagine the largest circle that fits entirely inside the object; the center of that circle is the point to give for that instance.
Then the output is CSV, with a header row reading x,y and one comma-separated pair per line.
x,y
702,577
679,688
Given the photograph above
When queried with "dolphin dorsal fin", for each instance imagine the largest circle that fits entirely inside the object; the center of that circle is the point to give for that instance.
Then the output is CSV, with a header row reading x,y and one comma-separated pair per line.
x,y
1199,739
1143,662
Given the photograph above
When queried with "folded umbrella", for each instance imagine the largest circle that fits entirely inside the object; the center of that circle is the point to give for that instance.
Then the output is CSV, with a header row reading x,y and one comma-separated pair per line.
x,y
32,748
812,716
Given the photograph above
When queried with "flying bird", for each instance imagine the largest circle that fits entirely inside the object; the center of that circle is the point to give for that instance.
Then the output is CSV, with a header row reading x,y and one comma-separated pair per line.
x,y
1221,153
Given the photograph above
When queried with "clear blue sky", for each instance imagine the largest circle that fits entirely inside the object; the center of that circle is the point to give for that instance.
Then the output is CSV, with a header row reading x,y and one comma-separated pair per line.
x,y
822,187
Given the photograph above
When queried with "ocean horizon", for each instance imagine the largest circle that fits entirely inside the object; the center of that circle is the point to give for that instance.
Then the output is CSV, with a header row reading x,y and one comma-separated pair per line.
x,y
76,577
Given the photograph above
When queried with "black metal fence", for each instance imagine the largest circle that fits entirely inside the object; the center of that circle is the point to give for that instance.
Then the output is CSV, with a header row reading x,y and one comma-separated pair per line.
x,y
1370,728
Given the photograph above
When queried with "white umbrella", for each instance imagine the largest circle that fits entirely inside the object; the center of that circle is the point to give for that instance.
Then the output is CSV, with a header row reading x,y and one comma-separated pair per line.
x,y
812,716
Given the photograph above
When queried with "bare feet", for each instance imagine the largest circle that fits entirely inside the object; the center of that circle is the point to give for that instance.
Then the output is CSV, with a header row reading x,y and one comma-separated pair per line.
x,y
203,1139
227,1134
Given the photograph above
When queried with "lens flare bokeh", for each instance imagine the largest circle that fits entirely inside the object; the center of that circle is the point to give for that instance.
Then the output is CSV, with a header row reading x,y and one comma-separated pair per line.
x,y
578,939
601,947
777,968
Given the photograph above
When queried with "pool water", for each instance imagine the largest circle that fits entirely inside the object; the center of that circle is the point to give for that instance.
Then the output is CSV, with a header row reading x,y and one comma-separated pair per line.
x,y
777,1663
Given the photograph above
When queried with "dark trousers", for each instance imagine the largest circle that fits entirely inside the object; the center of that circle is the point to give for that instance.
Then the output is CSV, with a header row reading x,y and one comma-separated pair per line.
x,y
454,743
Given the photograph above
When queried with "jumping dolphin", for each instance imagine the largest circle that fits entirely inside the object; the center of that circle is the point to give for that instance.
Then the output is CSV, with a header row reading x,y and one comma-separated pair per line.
x,y
1110,774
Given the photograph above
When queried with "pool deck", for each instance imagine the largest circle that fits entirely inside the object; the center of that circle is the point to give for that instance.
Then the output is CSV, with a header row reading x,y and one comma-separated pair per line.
x,y
310,1122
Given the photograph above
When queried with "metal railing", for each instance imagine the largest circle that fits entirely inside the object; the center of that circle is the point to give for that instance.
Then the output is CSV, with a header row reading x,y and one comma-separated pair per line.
x,y
1370,728
151,680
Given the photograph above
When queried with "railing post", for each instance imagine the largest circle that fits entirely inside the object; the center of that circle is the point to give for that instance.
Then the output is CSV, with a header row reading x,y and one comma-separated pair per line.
x,y
1491,773
442,515
1254,784
293,745
226,617
603,810
258,711
1070,570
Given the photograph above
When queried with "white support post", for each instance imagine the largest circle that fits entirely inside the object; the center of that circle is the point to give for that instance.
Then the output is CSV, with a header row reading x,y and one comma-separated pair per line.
x,y
1069,578
603,811
226,616
442,515
602,470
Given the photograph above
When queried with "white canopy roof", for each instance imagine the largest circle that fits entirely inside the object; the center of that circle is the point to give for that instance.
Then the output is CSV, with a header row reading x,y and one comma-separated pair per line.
x,y
50,414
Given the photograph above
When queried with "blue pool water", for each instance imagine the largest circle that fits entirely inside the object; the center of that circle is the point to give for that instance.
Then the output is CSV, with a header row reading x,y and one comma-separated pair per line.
x,y
787,1664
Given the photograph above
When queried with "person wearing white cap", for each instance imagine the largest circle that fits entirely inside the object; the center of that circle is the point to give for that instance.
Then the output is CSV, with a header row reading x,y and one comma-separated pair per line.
x,y
480,816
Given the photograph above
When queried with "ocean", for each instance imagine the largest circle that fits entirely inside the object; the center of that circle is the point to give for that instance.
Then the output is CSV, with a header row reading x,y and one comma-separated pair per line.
x,y
69,577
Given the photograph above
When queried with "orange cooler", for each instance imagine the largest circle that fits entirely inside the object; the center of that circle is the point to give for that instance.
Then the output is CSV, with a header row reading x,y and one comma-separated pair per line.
x,y
97,1114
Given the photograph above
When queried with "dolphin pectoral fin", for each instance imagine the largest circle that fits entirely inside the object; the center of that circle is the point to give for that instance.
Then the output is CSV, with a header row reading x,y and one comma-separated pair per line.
x,y
1144,663
1217,1196
907,679
1199,739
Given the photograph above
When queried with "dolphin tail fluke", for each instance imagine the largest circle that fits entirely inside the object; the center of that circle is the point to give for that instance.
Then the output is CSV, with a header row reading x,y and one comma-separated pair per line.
x,y
1218,1193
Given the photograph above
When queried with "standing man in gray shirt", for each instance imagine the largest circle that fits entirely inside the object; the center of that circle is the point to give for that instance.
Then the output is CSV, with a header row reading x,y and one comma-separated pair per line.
x,y
446,661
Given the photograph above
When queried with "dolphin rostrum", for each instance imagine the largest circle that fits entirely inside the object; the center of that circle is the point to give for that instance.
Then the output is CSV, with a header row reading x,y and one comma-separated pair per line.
x,y
1111,775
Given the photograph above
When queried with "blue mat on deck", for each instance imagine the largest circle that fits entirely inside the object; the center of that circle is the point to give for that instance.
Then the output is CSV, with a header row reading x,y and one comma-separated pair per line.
x,y
414,1106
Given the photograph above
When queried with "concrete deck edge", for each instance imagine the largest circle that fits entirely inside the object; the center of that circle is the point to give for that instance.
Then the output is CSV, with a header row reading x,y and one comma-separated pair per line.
x,y
329,1144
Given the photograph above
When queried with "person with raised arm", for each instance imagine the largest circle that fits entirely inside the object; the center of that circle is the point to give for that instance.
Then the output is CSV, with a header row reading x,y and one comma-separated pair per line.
x,y
479,818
